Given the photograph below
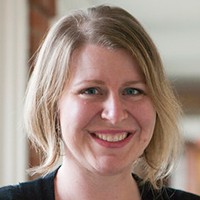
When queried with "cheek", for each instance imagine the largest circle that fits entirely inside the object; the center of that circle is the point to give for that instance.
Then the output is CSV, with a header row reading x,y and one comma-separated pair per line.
x,y
146,116
75,114
146,119
149,118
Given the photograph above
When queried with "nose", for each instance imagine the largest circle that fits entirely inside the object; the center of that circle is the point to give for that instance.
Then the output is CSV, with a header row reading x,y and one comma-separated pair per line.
x,y
114,109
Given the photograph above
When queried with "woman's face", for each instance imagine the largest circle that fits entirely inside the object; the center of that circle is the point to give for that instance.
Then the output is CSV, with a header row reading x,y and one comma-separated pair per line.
x,y
106,115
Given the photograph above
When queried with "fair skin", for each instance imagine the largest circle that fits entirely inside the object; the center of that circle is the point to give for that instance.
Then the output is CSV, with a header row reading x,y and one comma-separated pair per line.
x,y
107,120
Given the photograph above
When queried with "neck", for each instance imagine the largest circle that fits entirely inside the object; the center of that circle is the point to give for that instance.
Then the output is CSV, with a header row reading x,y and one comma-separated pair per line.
x,y
74,183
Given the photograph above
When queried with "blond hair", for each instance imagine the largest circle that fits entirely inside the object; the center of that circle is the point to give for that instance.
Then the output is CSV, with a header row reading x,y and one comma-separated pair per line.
x,y
113,28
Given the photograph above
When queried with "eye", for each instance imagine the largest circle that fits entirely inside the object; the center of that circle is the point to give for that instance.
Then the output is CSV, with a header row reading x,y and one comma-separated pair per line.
x,y
90,91
132,91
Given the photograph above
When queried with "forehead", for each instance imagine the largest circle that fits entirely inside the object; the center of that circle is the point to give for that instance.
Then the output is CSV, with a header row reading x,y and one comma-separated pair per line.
x,y
98,59
100,54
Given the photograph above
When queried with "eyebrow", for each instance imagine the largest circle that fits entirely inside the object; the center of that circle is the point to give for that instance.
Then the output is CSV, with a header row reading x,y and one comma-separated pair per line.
x,y
135,82
99,82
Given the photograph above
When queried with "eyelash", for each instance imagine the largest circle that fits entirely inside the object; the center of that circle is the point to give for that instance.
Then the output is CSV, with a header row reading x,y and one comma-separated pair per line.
x,y
134,91
91,89
126,91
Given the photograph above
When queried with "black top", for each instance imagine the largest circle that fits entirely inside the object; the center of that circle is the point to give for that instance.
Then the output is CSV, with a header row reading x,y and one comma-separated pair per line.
x,y
43,189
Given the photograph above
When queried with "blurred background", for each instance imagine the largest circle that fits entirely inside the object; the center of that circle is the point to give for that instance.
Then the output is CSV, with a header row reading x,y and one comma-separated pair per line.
x,y
174,25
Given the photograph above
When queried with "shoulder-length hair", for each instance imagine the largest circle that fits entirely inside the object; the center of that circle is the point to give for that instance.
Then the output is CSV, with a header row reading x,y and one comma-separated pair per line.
x,y
113,28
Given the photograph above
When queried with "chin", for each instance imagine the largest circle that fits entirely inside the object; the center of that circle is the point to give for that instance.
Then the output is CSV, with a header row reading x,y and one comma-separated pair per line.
x,y
111,168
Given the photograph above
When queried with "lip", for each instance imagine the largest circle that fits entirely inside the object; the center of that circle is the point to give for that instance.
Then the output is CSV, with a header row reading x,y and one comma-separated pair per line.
x,y
114,133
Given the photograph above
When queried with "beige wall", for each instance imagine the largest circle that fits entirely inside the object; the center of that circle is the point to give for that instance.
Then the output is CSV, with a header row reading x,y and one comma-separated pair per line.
x,y
13,67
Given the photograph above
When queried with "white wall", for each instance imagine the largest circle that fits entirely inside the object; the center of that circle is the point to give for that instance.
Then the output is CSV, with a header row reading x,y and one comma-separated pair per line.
x,y
65,6
174,27
13,67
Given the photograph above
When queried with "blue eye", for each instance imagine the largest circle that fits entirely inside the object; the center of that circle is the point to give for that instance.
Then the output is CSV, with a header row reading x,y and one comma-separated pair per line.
x,y
132,91
90,91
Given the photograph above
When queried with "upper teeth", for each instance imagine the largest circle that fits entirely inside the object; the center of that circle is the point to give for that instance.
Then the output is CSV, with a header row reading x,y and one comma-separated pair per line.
x,y
112,137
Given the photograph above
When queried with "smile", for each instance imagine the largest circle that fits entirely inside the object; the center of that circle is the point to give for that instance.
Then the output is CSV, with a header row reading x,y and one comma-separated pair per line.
x,y
112,137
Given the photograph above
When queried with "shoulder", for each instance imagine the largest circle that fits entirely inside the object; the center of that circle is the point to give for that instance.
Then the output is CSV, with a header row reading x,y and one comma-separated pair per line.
x,y
41,188
179,194
166,193
148,192
11,193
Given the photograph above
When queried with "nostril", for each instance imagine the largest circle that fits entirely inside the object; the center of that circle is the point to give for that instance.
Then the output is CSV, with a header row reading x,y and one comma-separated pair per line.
x,y
114,116
114,109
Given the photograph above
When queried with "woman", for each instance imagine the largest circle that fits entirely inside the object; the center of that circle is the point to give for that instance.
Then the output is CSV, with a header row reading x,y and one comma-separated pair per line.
x,y
98,97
